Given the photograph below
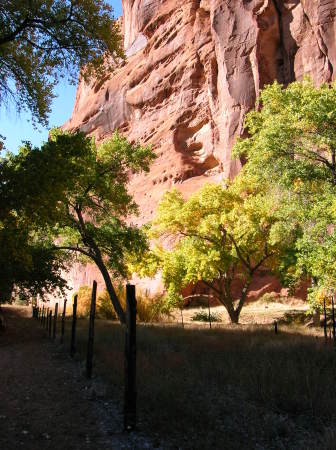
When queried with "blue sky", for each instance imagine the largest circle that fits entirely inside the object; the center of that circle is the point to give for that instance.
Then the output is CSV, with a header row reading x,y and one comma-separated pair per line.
x,y
18,128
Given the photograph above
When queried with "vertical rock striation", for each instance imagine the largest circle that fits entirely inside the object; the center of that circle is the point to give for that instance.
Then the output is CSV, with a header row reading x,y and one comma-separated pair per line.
x,y
193,70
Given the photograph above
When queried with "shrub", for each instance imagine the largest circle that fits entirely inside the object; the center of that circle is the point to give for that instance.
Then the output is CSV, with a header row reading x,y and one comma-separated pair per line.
x,y
149,309
152,309
84,301
203,316
105,308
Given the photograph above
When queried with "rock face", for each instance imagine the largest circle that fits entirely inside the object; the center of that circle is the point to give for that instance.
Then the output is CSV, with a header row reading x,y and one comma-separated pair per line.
x,y
193,70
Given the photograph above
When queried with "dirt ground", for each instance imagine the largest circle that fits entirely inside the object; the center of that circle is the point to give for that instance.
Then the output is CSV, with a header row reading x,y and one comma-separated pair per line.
x,y
253,313
45,400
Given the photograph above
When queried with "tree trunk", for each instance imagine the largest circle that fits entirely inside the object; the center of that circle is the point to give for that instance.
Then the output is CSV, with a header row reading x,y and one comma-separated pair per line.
x,y
112,294
316,318
97,258
234,316
316,312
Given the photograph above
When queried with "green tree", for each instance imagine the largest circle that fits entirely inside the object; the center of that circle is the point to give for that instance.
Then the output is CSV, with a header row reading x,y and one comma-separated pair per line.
x,y
292,134
221,234
43,40
28,263
292,141
78,193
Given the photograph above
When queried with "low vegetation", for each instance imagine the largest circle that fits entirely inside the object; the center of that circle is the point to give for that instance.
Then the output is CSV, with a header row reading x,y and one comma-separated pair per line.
x,y
149,308
241,387
205,316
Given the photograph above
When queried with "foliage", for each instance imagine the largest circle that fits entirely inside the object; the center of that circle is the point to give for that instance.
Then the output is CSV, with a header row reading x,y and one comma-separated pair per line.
x,y
104,307
203,316
293,142
152,308
149,308
83,301
28,263
293,134
78,193
218,234
43,40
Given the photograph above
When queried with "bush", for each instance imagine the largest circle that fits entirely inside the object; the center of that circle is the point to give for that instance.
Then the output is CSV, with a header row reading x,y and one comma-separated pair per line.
x,y
84,301
149,309
203,316
105,308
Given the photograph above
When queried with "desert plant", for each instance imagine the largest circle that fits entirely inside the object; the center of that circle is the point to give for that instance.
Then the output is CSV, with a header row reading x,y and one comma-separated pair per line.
x,y
151,308
203,316
83,301
105,309
268,298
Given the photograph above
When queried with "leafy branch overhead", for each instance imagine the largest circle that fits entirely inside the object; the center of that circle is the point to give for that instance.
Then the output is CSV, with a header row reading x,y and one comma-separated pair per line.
x,y
78,193
41,41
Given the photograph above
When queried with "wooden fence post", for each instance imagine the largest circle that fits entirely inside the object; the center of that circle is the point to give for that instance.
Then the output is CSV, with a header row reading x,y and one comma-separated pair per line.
x,y
325,321
130,360
333,317
275,327
42,315
49,324
63,321
89,356
182,321
209,312
46,317
73,329
55,321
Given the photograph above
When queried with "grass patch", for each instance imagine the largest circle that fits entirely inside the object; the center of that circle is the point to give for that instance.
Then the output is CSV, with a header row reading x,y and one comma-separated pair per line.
x,y
234,387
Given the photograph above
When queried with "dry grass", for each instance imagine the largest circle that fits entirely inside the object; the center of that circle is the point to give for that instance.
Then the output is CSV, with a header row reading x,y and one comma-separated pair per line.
x,y
149,308
229,387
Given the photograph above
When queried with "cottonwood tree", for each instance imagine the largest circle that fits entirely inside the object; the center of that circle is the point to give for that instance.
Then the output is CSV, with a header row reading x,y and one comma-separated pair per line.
x,y
43,40
28,261
220,234
292,134
80,197
292,141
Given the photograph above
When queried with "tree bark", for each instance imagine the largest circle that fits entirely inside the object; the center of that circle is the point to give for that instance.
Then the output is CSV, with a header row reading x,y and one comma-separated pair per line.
x,y
234,316
110,289
97,258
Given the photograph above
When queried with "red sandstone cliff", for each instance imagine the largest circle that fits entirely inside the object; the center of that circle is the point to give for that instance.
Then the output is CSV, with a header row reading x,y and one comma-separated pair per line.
x,y
193,69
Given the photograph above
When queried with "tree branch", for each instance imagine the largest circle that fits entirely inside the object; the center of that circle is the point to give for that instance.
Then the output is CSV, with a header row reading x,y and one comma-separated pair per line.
x,y
74,249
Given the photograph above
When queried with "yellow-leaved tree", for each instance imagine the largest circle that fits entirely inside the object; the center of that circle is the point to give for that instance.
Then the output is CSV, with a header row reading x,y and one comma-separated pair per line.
x,y
218,235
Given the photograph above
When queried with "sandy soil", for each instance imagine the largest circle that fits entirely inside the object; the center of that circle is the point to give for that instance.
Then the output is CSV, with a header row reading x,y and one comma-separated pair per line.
x,y
45,400
253,313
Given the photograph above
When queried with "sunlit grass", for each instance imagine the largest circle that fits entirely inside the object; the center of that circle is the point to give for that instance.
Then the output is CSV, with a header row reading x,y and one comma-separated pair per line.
x,y
230,386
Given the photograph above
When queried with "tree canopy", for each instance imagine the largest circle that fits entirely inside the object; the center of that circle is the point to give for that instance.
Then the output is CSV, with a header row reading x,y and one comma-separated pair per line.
x,y
77,193
43,40
292,141
219,235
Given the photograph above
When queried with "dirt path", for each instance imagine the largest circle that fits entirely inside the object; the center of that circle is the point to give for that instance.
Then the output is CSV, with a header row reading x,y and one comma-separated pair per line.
x,y
45,400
